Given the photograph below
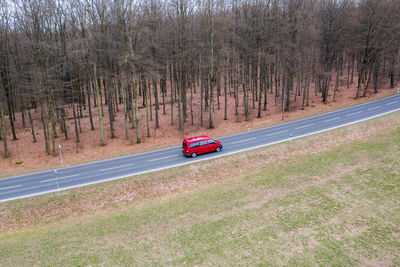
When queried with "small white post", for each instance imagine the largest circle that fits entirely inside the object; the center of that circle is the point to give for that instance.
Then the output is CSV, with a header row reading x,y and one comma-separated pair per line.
x,y
290,136
61,159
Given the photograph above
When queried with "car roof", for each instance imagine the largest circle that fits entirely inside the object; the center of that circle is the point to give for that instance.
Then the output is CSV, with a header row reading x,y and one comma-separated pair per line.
x,y
196,138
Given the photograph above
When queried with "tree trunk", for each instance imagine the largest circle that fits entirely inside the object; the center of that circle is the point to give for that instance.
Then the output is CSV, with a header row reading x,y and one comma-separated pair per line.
x,y
63,123
102,90
110,110
201,97
135,86
348,74
276,80
336,85
1,130
191,102
100,108
180,108
236,92
79,121
53,130
289,88
218,90
308,91
150,101
163,84
376,77
75,123
391,72
211,125
172,93
4,133
156,101
267,85
226,99
80,101
142,89
125,97
246,101
352,68
118,97
360,81
23,112
304,93
206,90
131,106
368,81
183,97
325,89
283,99
32,128
44,125
88,90
60,119
253,85
260,89
147,111
10,112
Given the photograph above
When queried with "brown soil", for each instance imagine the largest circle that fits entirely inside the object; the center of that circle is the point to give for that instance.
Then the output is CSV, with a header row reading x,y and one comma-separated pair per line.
x,y
26,156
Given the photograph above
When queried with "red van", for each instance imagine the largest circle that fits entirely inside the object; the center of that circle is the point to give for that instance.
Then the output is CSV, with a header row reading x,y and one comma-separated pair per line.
x,y
200,144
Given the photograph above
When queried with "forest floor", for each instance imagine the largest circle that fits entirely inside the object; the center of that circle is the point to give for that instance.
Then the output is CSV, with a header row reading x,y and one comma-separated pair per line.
x,y
27,156
326,199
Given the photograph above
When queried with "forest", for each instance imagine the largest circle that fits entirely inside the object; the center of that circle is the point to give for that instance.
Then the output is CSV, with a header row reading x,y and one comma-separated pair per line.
x,y
185,59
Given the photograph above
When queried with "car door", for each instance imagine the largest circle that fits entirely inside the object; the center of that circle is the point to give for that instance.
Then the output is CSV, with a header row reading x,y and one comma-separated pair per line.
x,y
212,145
194,147
203,148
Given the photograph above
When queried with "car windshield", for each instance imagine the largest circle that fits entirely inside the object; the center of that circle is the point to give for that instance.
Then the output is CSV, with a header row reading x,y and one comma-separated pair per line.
x,y
184,145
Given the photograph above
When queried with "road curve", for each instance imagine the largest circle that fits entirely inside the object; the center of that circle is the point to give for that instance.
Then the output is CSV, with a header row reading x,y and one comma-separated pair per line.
x,y
75,176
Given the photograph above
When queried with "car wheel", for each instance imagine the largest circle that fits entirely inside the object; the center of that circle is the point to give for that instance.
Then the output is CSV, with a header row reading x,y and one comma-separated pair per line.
x,y
194,154
218,149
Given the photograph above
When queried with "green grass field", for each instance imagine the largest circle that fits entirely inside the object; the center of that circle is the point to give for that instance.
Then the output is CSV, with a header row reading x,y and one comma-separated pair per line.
x,y
338,207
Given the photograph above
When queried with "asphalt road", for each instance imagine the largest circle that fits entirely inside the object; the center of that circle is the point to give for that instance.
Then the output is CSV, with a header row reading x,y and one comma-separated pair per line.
x,y
75,176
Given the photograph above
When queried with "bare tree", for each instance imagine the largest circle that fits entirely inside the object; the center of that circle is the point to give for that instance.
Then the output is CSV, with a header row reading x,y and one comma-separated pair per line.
x,y
76,56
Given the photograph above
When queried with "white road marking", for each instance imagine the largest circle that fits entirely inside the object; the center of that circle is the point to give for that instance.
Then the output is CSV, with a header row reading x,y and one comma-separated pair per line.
x,y
116,167
241,141
354,113
374,107
276,133
391,103
332,119
308,125
184,163
28,188
14,186
161,158
59,178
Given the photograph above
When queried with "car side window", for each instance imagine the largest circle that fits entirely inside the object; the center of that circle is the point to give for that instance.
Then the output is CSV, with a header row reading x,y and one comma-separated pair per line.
x,y
203,143
194,144
211,142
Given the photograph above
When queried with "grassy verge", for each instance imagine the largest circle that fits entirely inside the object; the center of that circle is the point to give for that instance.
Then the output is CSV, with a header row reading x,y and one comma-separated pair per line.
x,y
340,206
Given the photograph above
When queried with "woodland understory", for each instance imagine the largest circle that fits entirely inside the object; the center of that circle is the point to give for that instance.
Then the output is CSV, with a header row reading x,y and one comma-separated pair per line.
x,y
136,67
